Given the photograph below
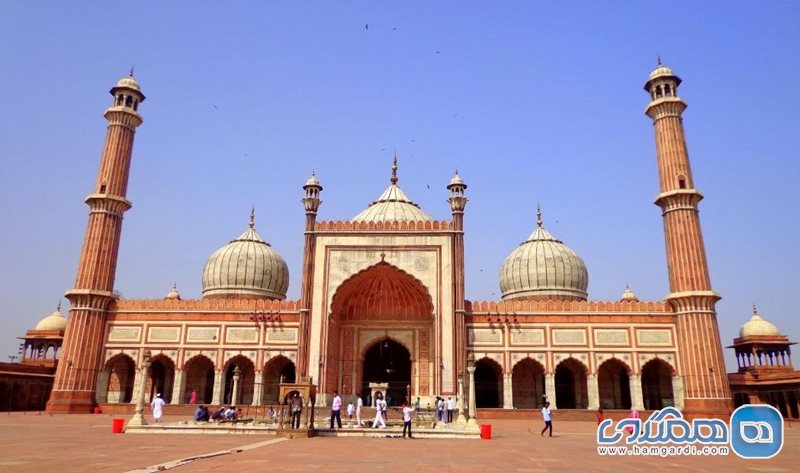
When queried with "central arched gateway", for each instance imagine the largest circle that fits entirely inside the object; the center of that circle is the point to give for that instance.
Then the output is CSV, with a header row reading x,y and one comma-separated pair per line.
x,y
381,319
387,361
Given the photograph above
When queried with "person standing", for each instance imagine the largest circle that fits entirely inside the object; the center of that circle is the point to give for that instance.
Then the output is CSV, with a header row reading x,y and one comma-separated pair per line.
x,y
193,397
297,409
451,407
350,411
158,408
336,409
439,408
359,406
548,419
407,420
600,416
380,405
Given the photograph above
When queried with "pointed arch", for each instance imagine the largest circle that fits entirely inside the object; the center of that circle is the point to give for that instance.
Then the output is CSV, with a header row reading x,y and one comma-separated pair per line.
x,y
276,369
656,379
121,373
488,383
383,292
247,375
199,373
613,384
527,380
160,376
571,388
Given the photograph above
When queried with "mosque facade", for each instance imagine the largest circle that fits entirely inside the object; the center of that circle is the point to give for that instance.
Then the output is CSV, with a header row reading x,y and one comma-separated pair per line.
x,y
382,301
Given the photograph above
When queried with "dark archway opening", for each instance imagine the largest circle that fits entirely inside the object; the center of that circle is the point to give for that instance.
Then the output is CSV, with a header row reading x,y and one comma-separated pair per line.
x,y
657,385
613,384
388,362
571,389
488,384
199,377
527,379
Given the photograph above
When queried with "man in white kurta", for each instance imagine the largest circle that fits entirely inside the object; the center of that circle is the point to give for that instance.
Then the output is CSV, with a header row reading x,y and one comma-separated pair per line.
x,y
158,408
380,406
359,406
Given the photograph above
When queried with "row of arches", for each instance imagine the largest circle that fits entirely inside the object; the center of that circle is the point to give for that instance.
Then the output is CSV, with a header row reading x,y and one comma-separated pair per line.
x,y
199,376
571,382
42,351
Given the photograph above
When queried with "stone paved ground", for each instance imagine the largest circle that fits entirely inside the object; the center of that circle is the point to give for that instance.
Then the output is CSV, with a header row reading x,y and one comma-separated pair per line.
x,y
84,443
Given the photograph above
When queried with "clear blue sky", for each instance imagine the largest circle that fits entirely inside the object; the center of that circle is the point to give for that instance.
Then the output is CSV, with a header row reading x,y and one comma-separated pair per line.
x,y
532,101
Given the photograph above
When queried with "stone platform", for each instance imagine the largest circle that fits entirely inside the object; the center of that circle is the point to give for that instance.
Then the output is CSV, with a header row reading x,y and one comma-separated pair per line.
x,y
392,430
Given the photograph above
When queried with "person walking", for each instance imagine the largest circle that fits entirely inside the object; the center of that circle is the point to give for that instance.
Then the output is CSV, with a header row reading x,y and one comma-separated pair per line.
x,y
359,406
158,408
380,405
548,419
600,416
336,409
193,397
297,409
407,420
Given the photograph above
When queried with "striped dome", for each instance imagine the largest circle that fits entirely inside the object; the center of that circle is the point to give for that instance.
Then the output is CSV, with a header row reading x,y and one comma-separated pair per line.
x,y
392,206
247,266
543,267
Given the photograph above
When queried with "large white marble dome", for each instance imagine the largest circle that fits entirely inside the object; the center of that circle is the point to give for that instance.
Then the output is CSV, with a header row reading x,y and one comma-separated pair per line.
x,y
545,268
247,266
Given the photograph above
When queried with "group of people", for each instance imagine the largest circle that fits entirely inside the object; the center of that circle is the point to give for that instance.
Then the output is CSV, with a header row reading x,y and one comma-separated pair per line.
x,y
445,409
202,414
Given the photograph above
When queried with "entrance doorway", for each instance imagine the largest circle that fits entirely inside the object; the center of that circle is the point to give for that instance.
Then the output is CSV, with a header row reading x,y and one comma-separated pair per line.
x,y
388,362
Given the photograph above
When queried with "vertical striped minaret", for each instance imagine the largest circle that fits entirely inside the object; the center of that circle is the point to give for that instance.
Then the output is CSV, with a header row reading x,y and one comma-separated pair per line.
x,y
458,201
74,387
701,364
311,202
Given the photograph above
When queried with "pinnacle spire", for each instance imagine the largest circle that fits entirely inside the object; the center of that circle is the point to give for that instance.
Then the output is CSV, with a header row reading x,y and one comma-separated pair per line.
x,y
393,179
58,307
131,73
658,59
538,215
755,311
253,216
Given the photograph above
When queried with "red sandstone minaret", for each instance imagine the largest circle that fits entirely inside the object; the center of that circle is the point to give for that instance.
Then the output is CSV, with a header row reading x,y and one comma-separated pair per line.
x,y
458,202
311,202
701,365
74,387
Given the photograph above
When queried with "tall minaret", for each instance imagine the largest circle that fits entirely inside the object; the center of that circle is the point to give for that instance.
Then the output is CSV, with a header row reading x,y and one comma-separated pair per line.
x,y
458,202
74,387
701,364
311,203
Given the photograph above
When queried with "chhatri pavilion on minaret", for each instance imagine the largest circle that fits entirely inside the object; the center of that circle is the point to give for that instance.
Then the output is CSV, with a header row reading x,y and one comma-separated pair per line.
x,y
382,302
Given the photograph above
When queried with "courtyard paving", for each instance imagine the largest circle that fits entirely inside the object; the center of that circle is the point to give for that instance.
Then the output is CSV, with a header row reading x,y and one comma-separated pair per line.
x,y
84,443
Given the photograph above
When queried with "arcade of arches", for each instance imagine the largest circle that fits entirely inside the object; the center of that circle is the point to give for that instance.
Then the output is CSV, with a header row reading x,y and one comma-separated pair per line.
x,y
119,378
611,387
380,331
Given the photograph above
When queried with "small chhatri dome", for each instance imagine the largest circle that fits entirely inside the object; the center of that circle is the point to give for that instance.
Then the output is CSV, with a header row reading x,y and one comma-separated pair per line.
x,y
312,181
173,294
543,267
628,295
55,321
129,82
392,205
247,266
456,181
661,72
757,326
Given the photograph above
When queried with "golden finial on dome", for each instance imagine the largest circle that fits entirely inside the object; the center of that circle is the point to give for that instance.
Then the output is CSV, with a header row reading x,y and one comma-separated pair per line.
x,y
131,73
755,311
58,307
538,215
394,169
253,216
658,58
